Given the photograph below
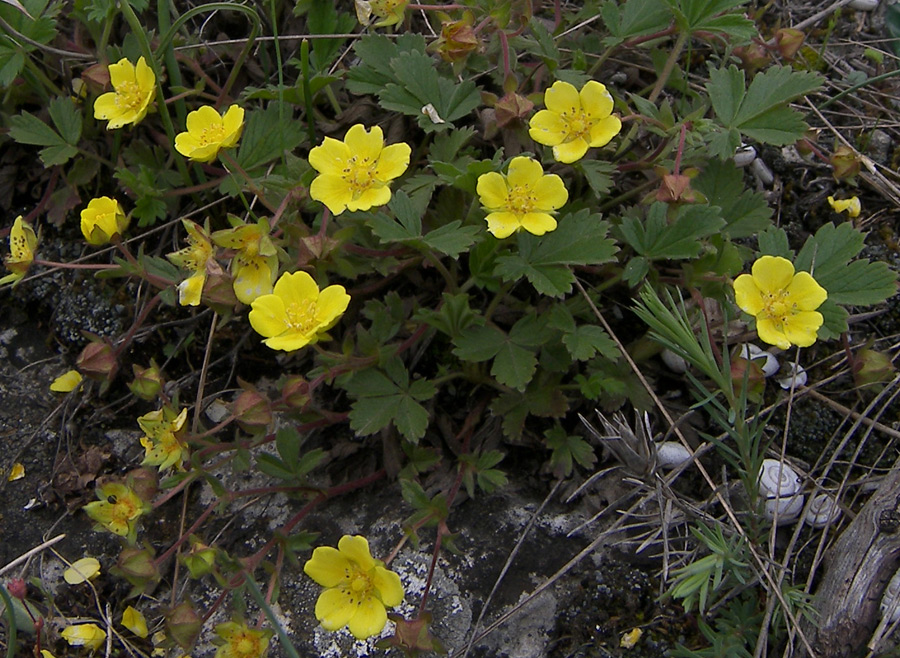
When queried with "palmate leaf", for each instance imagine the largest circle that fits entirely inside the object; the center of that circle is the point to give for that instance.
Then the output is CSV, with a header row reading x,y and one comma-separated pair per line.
x,y
579,239
625,20
722,16
656,239
745,212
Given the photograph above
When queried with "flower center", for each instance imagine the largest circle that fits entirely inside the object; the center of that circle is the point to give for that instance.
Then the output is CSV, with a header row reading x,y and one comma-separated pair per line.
x,y
128,95
301,315
212,134
359,174
577,124
360,583
245,646
521,200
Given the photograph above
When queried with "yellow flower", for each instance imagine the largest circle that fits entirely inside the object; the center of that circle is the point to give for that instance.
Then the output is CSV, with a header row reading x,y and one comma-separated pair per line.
x,y
851,206
102,220
85,635
66,382
783,303
82,571
134,87
297,313
161,445
255,265
118,509
22,243
575,120
355,174
17,472
389,11
242,641
195,257
524,198
135,622
359,588
208,132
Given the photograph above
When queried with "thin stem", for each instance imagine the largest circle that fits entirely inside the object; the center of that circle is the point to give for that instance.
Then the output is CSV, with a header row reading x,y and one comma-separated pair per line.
x,y
669,66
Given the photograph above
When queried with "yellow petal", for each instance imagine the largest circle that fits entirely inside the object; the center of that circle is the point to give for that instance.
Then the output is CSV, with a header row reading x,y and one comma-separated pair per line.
x,y
502,224
393,161
369,620
330,157
290,341
356,548
370,198
747,295
524,171
17,472
562,97
296,287
805,292
538,223
190,291
332,191
388,585
596,101
121,73
571,151
801,328
135,622
144,76
327,566
66,382
547,128
81,570
233,122
551,192
332,303
334,608
86,635
268,317
604,130
202,118
105,106
492,190
365,145
772,273
769,333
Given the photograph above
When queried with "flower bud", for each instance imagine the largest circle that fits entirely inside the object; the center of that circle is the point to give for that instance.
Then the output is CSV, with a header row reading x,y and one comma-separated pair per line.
x,y
295,392
184,625
252,411
511,108
871,367
844,163
147,382
98,360
17,588
756,379
200,560
753,56
788,41
144,482
458,39
137,566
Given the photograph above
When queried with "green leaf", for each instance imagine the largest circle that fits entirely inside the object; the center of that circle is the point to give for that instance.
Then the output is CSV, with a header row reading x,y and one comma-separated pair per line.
x,y
479,343
382,400
567,448
26,128
66,118
633,18
745,212
587,340
834,320
267,135
287,442
271,465
656,239
375,52
713,16
579,239
452,239
774,242
514,364
454,315
598,175
323,18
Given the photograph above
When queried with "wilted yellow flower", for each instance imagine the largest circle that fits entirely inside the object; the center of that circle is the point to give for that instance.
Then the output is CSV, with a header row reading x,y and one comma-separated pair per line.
x,y
208,132
255,265
118,509
22,243
297,313
355,174
389,11
242,641
82,570
524,198
134,87
359,588
851,206
162,447
85,635
17,472
575,120
102,220
783,303
66,382
135,622
196,258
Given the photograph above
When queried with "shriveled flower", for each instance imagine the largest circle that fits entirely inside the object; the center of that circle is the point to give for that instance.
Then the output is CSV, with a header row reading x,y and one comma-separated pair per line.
x,y
84,635
255,265
22,243
297,313
359,587
196,257
135,622
162,446
208,132
355,174
390,12
118,509
241,641
784,303
525,198
66,382
134,87
102,220
574,120
851,206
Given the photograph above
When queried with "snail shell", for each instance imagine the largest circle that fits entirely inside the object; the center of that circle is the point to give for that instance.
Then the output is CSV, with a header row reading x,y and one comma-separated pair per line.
x,y
750,351
863,5
744,156
796,372
670,454
823,510
788,508
777,479
674,362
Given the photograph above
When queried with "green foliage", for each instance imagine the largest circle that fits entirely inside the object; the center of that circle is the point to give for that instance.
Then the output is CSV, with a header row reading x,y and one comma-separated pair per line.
x,y
634,18
723,16
61,145
567,450
745,211
724,565
759,112
290,464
